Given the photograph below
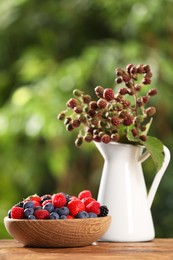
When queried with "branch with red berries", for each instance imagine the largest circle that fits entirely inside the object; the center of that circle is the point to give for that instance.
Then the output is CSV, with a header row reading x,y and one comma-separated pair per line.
x,y
124,116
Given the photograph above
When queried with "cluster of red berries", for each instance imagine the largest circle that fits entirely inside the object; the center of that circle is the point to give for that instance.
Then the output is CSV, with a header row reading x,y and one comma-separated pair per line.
x,y
119,117
58,206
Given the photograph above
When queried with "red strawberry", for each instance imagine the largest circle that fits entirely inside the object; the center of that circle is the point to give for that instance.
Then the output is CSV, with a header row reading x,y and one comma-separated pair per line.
x,y
84,194
41,214
86,201
94,207
17,213
75,206
59,200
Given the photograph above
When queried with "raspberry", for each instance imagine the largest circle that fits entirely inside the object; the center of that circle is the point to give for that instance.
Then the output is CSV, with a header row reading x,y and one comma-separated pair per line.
x,y
84,194
152,92
86,201
102,103
94,207
86,99
115,121
17,213
123,91
103,211
58,200
108,94
146,81
41,214
72,103
129,67
35,197
99,91
105,139
75,123
128,121
75,206
93,105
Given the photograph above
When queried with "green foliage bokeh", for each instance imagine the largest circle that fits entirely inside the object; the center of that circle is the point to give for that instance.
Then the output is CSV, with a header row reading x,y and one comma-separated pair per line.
x,y
48,48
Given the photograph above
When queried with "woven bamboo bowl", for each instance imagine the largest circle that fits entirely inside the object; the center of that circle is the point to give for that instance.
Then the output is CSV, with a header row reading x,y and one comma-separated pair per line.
x,y
57,233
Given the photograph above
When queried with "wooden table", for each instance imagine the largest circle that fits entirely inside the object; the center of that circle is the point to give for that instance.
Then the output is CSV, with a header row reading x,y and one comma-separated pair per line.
x,y
157,249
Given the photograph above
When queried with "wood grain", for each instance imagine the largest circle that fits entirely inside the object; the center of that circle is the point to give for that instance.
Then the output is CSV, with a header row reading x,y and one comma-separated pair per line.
x,y
160,249
57,233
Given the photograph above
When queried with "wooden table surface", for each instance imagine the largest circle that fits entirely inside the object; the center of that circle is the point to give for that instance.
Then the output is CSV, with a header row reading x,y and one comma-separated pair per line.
x,y
157,249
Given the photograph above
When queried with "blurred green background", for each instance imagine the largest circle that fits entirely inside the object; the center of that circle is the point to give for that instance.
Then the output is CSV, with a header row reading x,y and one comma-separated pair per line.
x,y
50,47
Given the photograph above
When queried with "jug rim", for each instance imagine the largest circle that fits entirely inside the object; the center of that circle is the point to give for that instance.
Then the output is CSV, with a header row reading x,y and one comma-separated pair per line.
x,y
119,143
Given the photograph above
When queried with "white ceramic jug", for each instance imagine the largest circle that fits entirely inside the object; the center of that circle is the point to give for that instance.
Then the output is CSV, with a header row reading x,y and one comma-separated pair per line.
x,y
123,190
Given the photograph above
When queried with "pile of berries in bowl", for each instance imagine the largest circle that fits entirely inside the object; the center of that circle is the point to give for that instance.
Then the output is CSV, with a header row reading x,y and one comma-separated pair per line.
x,y
58,220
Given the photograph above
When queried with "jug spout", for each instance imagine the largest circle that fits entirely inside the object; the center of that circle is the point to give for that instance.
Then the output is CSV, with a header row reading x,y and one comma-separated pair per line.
x,y
158,176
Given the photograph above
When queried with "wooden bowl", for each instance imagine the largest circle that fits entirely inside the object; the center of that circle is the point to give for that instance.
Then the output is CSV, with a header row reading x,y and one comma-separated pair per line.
x,y
57,233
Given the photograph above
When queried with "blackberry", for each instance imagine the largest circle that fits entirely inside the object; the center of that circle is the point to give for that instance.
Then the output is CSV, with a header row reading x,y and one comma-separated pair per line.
x,y
45,197
20,204
103,211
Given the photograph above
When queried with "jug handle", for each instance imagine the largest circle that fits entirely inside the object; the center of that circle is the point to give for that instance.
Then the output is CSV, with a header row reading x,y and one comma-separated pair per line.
x,y
158,175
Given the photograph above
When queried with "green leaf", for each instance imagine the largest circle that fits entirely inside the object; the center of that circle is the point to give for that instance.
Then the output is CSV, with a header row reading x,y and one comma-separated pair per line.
x,y
155,147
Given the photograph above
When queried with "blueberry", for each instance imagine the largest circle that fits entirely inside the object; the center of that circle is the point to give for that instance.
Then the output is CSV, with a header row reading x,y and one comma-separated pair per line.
x,y
28,204
92,215
28,211
63,217
54,215
31,217
82,214
62,211
38,207
49,207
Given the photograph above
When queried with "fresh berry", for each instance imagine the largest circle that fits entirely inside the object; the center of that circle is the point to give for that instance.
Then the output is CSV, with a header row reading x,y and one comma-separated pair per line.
x,y
75,206
70,217
103,211
31,217
92,215
63,217
102,103
35,197
49,207
28,204
86,201
46,201
17,213
20,204
54,215
72,103
82,214
46,197
59,200
99,91
67,196
85,194
41,214
105,138
62,211
94,207
108,94
28,212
